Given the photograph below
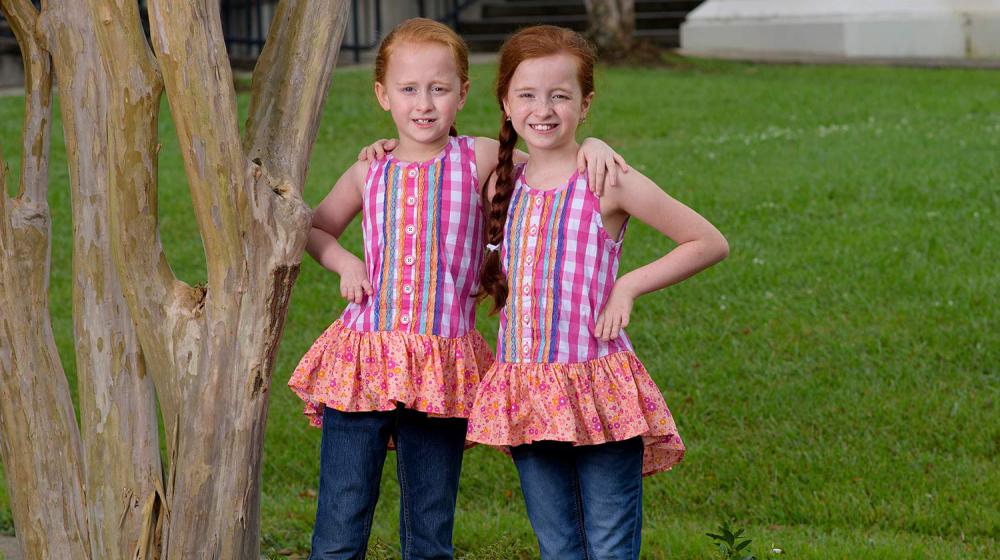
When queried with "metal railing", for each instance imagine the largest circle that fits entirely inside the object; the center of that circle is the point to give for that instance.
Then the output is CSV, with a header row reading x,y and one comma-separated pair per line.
x,y
245,23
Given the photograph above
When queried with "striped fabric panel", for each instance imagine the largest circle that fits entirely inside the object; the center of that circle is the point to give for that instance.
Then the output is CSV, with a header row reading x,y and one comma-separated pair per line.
x,y
569,268
446,244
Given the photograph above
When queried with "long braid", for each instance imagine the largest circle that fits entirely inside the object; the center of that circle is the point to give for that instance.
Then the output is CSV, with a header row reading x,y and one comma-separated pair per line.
x,y
493,282
531,42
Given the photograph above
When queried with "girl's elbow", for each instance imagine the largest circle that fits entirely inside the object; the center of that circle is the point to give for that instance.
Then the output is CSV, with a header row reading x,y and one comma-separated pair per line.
x,y
722,248
716,248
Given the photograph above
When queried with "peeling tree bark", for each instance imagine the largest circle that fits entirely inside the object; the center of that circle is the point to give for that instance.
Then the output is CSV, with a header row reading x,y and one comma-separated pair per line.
x,y
612,24
209,350
39,440
117,402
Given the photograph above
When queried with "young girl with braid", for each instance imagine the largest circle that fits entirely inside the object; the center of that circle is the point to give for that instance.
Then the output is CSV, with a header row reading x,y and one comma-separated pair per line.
x,y
567,396
402,363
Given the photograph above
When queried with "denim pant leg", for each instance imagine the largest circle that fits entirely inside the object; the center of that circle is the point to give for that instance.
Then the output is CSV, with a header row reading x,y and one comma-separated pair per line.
x,y
351,459
428,463
611,486
551,490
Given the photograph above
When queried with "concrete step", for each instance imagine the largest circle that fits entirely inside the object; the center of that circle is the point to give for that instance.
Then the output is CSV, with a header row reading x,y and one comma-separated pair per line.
x,y
491,42
528,8
577,22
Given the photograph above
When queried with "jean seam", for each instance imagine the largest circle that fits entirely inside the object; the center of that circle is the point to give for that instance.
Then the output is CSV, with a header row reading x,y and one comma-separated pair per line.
x,y
635,518
581,528
403,493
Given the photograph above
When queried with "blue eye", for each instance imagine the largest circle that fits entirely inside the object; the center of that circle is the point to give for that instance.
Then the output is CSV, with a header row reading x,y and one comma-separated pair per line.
x,y
408,89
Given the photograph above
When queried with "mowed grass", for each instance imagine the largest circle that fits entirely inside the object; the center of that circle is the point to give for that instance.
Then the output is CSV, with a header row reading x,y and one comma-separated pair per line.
x,y
835,380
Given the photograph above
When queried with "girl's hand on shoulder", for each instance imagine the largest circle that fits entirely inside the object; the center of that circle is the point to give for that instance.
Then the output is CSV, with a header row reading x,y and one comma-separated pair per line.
x,y
615,315
601,164
377,149
354,284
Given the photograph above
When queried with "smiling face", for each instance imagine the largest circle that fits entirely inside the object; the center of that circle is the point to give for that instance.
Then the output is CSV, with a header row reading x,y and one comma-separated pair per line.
x,y
545,102
423,91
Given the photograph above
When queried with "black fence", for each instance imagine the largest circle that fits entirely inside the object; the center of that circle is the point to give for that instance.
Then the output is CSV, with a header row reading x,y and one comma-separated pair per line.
x,y
245,24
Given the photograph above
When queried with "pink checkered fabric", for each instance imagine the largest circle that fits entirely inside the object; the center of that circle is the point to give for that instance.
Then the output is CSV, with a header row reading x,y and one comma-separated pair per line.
x,y
561,265
422,227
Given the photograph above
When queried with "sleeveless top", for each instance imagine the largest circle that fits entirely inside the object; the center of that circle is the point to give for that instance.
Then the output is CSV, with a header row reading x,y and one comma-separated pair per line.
x,y
553,379
413,341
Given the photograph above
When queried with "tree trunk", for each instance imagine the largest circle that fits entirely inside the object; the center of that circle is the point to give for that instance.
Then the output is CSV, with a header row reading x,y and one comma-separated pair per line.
x,y
117,403
39,440
210,350
612,24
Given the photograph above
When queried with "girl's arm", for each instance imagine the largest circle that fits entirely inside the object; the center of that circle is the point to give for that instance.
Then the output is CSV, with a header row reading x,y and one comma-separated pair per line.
x,y
601,162
329,221
699,246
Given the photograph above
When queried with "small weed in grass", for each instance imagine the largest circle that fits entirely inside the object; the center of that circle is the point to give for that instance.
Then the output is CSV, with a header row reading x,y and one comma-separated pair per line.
x,y
732,548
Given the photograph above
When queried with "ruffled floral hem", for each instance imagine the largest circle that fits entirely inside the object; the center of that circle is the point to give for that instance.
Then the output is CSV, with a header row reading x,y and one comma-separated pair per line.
x,y
354,371
611,398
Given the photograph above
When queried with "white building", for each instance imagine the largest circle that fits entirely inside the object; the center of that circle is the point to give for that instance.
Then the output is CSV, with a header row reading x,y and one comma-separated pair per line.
x,y
854,29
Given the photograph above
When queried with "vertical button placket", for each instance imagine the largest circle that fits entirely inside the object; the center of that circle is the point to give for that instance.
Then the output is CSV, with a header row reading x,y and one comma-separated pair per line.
x,y
528,311
410,260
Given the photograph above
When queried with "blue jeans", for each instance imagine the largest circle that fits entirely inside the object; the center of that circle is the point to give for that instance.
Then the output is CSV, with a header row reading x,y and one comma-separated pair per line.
x,y
428,464
584,502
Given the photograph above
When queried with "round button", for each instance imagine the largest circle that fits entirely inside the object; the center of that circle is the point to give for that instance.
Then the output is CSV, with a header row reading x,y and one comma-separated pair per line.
x,y
529,259
538,200
526,347
533,230
410,229
413,173
407,289
411,200
526,319
526,290
408,260
404,319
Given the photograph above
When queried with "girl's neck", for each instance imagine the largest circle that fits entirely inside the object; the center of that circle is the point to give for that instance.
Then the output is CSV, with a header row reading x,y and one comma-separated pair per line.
x,y
410,150
550,168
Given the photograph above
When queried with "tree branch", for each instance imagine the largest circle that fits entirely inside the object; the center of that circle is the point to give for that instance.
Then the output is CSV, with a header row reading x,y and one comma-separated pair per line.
x,y
199,84
287,98
22,17
117,403
39,437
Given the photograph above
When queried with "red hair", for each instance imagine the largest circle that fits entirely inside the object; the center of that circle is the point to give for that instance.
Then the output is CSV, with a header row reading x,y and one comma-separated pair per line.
x,y
532,42
423,30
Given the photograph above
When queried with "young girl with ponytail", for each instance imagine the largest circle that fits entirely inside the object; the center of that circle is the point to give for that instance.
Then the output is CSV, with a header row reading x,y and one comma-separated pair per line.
x,y
567,396
401,365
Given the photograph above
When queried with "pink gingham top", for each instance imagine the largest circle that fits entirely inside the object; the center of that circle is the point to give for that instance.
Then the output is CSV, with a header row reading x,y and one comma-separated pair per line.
x,y
413,341
560,264
422,226
553,379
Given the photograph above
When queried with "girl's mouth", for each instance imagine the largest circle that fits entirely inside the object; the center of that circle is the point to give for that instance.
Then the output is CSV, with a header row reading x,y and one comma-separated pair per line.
x,y
424,122
544,127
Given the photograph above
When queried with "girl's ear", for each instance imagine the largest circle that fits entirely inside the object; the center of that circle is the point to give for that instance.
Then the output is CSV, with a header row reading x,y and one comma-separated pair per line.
x,y
463,94
506,109
382,95
585,106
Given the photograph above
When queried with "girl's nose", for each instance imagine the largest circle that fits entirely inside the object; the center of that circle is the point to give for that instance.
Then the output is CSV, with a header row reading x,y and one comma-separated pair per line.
x,y
424,101
543,106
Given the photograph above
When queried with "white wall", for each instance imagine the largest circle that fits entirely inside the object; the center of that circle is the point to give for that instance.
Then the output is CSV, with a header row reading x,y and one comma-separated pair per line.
x,y
963,29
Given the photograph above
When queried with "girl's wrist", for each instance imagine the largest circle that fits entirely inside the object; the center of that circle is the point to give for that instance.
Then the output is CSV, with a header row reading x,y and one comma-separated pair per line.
x,y
626,286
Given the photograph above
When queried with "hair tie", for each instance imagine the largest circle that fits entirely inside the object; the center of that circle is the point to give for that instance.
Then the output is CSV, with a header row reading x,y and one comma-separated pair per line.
x,y
492,247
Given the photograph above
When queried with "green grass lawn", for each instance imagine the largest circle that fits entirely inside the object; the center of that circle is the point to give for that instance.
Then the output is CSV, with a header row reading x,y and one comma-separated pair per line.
x,y
835,380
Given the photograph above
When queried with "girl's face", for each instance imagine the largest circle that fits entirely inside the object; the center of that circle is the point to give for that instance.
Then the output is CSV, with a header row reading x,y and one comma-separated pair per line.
x,y
545,103
422,90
